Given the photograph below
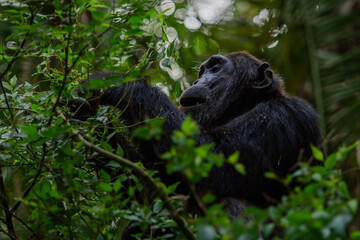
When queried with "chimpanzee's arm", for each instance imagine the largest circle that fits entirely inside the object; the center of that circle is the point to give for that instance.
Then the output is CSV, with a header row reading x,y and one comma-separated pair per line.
x,y
139,101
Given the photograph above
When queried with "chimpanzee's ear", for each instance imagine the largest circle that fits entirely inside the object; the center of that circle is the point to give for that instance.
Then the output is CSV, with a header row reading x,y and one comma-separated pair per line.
x,y
264,77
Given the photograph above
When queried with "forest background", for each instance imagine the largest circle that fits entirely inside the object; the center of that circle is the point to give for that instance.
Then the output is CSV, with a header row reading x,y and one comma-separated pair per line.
x,y
49,185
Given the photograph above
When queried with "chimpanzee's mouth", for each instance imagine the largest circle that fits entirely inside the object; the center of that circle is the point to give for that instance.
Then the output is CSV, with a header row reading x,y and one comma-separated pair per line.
x,y
191,101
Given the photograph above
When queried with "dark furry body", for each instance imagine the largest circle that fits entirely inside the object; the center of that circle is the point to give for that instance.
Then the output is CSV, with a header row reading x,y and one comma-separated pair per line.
x,y
270,130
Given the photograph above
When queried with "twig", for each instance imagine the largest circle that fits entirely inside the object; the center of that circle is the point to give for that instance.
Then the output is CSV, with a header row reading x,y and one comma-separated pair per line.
x,y
15,108
198,201
34,180
5,206
67,70
4,232
26,225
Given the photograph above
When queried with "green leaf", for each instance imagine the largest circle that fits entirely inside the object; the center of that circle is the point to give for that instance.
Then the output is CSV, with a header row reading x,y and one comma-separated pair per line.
x,y
330,161
94,23
157,122
31,132
161,15
317,177
46,187
120,151
203,150
134,20
343,189
54,131
142,132
105,187
13,80
355,235
170,49
134,32
298,217
271,175
106,146
55,194
12,11
8,86
189,127
68,151
157,206
152,13
340,222
105,175
317,153
339,156
353,205
206,232
240,168
234,157
113,164
268,229
69,29
28,87
209,198
95,84
160,55
98,14
166,63
117,184
164,35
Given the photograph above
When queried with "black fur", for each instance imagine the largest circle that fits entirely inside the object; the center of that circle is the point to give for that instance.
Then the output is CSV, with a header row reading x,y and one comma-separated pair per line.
x,y
239,104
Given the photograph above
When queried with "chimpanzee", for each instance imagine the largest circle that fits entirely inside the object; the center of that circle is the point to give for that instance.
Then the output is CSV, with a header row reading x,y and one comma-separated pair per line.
x,y
240,105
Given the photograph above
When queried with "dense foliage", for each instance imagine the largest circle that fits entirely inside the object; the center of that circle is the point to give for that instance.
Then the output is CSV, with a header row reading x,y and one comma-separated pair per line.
x,y
53,184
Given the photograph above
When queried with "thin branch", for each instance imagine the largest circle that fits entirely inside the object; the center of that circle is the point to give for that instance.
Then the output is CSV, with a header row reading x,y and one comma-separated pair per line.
x,y
18,165
26,225
24,109
38,173
86,223
67,70
198,201
5,206
4,232
6,100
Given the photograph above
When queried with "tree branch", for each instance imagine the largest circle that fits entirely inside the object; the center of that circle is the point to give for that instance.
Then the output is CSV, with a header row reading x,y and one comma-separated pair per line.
x,y
67,69
27,191
5,206
26,225
16,108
